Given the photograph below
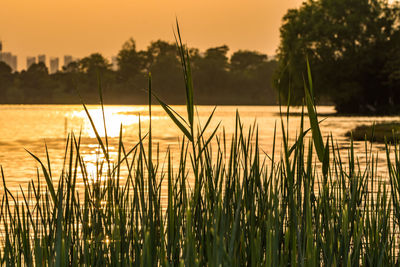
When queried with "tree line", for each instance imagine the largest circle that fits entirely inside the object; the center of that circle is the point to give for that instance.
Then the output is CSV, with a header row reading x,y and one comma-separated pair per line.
x,y
353,47
243,78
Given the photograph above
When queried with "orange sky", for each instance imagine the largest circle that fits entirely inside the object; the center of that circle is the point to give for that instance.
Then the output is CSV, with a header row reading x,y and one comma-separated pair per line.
x,y
81,27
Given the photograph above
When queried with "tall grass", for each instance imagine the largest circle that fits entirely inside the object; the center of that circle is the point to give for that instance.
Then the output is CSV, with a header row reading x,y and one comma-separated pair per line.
x,y
308,206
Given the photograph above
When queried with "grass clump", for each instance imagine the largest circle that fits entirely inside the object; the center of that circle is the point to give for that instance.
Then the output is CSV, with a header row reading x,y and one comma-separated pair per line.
x,y
381,132
224,204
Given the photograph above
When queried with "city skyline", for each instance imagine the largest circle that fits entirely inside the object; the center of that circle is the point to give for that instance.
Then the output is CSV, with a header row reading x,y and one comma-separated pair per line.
x,y
67,28
52,61
7,57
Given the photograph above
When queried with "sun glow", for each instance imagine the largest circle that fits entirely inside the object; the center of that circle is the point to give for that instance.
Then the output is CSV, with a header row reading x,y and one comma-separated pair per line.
x,y
115,117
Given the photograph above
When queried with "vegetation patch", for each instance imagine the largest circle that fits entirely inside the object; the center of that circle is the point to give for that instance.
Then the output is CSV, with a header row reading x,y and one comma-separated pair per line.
x,y
225,76
382,132
224,204
353,51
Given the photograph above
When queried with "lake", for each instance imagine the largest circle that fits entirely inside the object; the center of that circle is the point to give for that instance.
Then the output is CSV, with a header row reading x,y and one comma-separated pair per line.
x,y
31,127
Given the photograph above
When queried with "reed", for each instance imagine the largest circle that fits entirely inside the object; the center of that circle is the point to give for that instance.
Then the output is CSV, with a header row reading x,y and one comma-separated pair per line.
x,y
227,204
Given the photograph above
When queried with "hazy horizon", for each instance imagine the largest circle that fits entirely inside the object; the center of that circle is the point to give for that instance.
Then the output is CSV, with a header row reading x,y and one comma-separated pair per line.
x,y
80,28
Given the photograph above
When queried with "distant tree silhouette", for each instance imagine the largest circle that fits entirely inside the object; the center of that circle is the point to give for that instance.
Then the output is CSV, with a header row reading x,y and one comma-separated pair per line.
x,y
93,67
36,83
252,70
165,67
242,61
348,44
130,62
242,79
93,64
211,76
6,80
72,67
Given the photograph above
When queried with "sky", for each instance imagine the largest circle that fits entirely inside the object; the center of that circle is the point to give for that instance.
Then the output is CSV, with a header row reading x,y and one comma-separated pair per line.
x,y
81,27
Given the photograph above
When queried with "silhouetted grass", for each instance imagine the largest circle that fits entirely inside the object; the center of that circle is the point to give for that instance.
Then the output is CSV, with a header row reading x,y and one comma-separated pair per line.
x,y
242,208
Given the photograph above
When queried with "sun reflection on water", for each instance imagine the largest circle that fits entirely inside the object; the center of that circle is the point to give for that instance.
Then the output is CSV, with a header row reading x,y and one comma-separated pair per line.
x,y
114,117
91,166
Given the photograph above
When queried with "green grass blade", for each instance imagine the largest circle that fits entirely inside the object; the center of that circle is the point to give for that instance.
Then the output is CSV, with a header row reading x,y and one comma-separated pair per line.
x,y
47,177
310,82
168,109
187,73
316,131
102,109
96,132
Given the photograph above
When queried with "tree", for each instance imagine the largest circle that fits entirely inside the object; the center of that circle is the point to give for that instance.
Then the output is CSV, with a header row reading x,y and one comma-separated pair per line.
x,y
72,67
250,72
69,79
130,62
36,83
165,67
347,44
211,71
6,80
93,67
246,60
160,49
94,63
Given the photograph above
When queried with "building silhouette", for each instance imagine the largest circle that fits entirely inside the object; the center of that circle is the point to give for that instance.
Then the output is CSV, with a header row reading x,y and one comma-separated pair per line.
x,y
30,61
114,63
54,65
14,62
42,59
67,59
8,58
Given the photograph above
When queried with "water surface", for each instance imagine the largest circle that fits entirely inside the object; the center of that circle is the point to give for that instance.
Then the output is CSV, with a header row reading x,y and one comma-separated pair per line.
x,y
31,127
